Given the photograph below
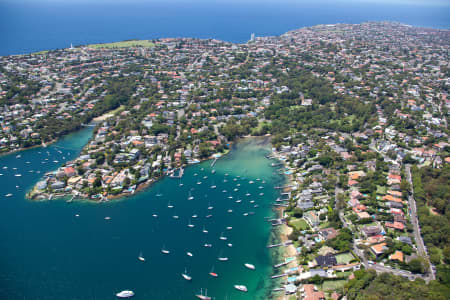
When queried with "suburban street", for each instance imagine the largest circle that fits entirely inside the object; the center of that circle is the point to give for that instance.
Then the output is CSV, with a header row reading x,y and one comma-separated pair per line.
x,y
415,222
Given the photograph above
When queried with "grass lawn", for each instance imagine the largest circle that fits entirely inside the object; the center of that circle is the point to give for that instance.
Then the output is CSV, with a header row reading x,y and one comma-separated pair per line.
x,y
343,274
40,52
123,44
324,225
344,258
331,285
299,224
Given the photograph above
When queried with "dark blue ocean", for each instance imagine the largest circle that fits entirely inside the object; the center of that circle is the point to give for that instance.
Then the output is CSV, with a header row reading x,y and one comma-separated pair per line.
x,y
33,25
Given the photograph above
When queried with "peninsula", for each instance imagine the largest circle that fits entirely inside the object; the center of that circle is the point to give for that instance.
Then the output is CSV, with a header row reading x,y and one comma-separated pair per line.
x,y
358,118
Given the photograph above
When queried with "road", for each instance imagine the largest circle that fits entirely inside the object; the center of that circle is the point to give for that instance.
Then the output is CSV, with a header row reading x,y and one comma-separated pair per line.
x,y
415,222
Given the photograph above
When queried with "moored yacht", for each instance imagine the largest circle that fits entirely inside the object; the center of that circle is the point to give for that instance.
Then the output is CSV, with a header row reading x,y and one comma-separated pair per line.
x,y
140,257
250,266
164,250
203,297
186,276
241,288
125,294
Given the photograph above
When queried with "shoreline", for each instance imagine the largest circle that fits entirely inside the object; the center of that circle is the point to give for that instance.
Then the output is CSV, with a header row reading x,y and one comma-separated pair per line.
x,y
141,186
285,230
122,195
85,45
31,147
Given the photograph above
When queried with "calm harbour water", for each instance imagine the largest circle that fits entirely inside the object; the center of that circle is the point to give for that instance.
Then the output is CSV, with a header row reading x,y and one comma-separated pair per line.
x,y
49,253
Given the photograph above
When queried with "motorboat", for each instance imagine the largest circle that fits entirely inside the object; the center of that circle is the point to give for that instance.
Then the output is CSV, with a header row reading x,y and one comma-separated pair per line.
x,y
125,294
241,288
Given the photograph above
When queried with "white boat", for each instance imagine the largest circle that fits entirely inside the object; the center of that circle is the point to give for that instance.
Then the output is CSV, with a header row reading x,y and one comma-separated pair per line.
x,y
251,182
229,227
222,258
250,266
241,288
204,230
223,238
125,294
230,210
8,195
248,194
189,254
175,217
195,216
230,245
155,215
199,182
236,189
164,250
190,196
203,297
18,175
169,205
204,177
245,214
261,194
19,156
190,225
207,245
213,186
209,206
238,201
107,218
77,215
186,276
140,257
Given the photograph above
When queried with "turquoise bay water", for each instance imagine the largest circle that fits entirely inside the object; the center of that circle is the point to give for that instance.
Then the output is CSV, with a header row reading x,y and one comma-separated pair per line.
x,y
49,253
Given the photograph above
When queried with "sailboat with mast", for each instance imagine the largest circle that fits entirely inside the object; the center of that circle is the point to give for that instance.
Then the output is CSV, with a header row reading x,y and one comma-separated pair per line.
x,y
186,276
140,257
203,297
212,273
164,250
